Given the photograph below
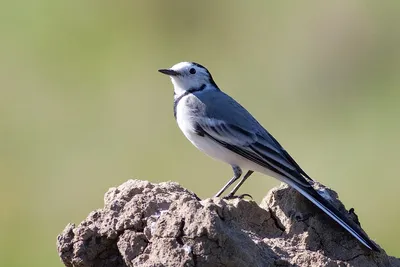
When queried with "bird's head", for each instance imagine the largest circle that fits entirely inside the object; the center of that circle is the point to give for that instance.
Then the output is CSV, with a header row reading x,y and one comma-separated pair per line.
x,y
188,76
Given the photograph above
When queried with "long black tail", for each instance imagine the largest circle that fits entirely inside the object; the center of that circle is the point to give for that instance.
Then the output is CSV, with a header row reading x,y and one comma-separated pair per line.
x,y
335,214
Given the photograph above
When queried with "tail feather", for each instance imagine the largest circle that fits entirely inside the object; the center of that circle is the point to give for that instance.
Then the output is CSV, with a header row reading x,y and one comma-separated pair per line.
x,y
335,214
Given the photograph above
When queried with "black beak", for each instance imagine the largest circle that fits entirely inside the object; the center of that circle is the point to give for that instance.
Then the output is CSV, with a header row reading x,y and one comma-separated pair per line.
x,y
169,72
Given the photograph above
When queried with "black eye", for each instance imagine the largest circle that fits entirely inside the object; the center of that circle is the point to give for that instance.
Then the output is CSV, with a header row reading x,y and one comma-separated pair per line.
x,y
192,71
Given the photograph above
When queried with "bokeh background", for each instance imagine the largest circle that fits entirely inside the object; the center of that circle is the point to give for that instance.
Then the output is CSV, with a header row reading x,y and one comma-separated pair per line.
x,y
83,108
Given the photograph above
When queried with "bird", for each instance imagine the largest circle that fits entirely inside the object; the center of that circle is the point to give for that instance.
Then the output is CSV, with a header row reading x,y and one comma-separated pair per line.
x,y
223,129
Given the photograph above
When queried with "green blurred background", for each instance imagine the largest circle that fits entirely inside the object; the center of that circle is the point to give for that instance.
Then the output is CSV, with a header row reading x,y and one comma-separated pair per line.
x,y
83,108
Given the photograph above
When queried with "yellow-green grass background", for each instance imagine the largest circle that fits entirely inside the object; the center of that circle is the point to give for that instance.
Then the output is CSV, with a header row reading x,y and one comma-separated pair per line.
x,y
83,108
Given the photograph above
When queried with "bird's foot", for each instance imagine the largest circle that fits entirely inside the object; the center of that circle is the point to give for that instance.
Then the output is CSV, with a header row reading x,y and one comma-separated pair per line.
x,y
242,196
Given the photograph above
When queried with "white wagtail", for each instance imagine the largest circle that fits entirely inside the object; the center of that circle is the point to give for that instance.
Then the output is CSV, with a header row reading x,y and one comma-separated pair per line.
x,y
220,127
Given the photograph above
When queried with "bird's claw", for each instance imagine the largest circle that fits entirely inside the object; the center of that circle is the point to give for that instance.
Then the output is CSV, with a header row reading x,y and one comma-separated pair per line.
x,y
242,196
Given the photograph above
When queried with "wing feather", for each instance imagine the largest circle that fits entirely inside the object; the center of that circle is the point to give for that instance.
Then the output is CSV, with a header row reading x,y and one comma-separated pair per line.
x,y
251,146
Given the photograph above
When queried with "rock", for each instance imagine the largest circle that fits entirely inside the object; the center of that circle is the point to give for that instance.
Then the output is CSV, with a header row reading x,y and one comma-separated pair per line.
x,y
146,224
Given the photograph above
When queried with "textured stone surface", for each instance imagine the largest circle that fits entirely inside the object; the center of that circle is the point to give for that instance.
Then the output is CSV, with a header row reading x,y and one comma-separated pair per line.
x,y
145,224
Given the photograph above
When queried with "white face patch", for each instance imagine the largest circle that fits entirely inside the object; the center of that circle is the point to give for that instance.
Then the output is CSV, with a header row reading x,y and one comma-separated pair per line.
x,y
191,76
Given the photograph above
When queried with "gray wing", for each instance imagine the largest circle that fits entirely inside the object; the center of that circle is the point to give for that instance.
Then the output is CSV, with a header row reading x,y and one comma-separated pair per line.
x,y
232,126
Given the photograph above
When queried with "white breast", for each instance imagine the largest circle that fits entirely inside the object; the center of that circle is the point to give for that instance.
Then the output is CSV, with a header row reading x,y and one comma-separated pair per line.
x,y
183,118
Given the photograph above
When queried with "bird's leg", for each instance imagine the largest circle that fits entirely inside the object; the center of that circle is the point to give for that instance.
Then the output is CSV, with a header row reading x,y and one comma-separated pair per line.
x,y
237,172
235,189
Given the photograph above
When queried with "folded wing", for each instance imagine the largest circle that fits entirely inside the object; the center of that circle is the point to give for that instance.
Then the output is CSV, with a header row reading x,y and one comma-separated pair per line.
x,y
266,152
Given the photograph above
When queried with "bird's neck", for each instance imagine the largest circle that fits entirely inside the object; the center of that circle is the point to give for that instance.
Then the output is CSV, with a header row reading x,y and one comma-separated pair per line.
x,y
179,92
